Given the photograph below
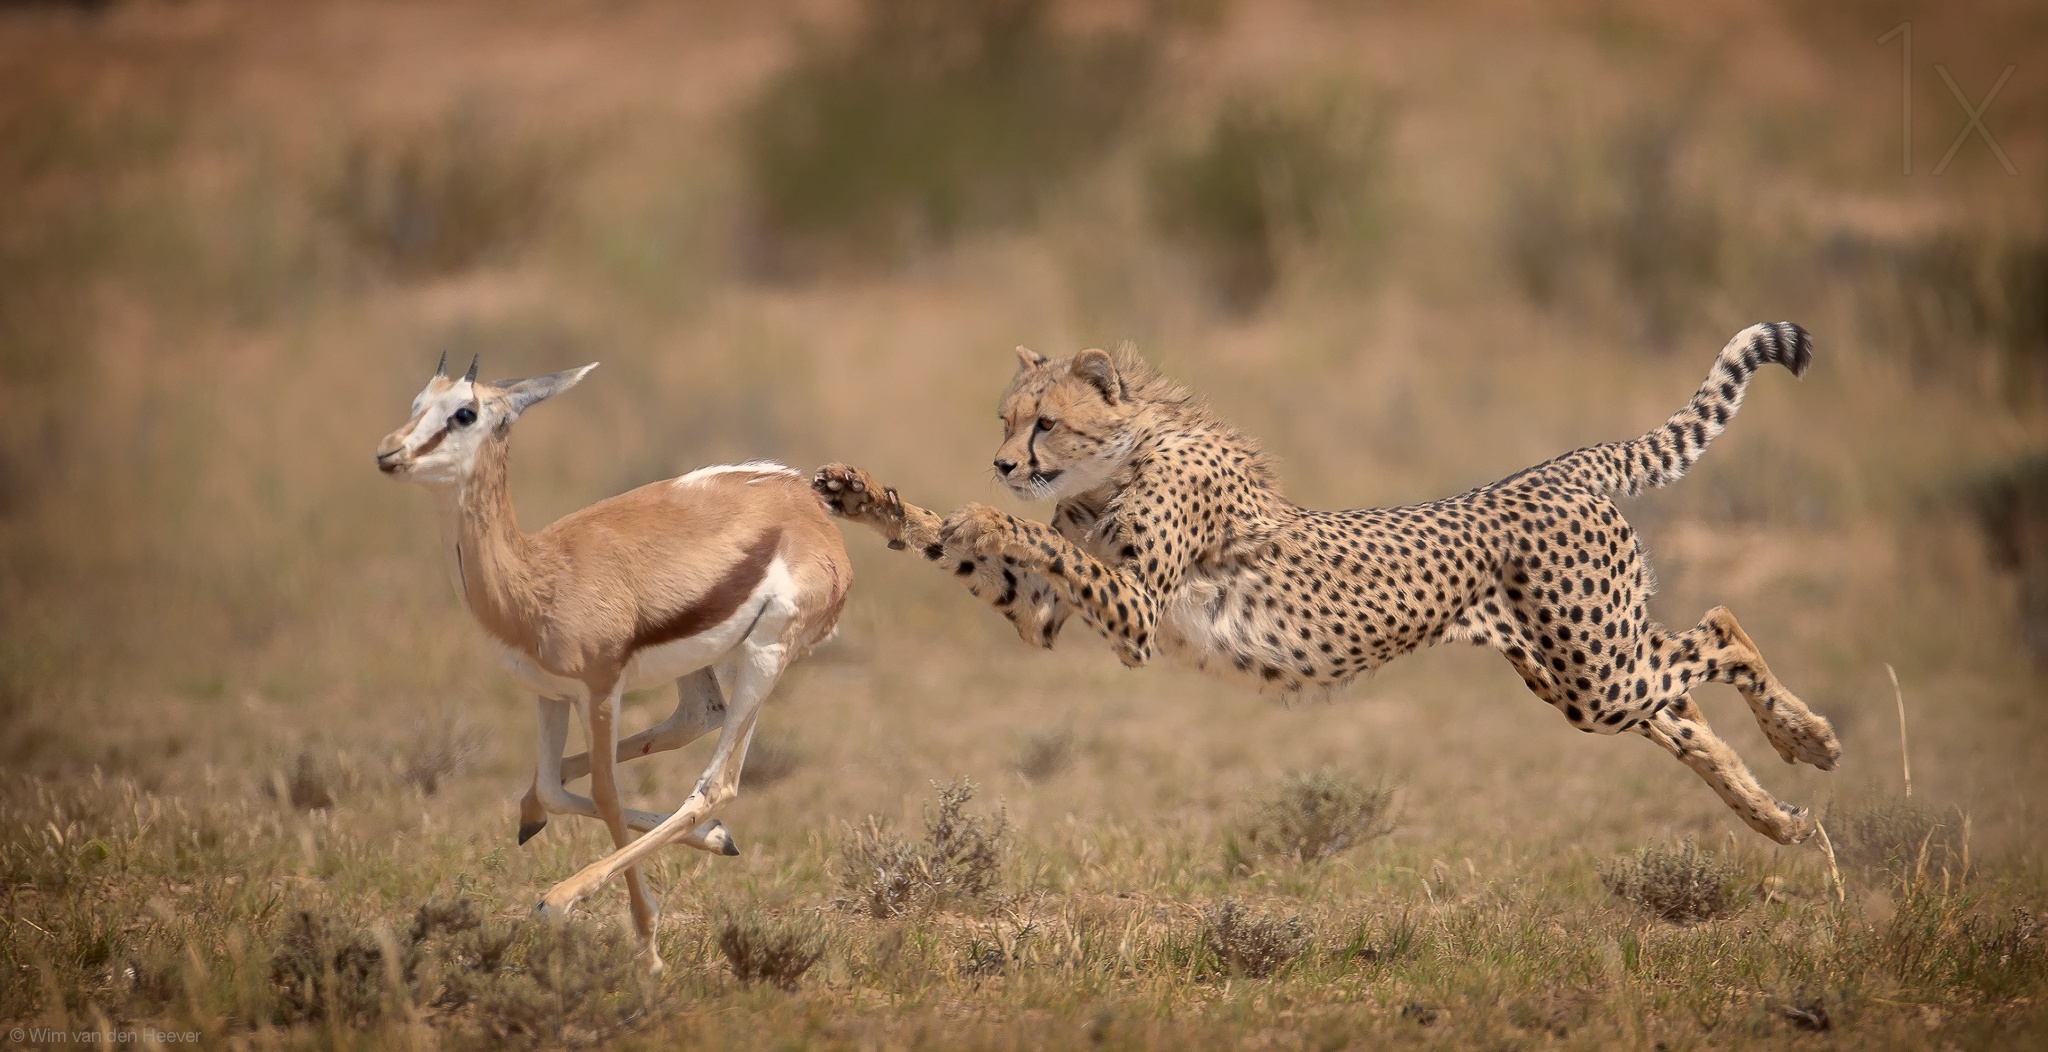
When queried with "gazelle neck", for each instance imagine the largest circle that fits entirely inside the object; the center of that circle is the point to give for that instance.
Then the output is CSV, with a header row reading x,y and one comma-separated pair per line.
x,y
489,560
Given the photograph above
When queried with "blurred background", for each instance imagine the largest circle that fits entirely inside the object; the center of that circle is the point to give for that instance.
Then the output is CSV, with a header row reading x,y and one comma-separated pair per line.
x,y
1413,247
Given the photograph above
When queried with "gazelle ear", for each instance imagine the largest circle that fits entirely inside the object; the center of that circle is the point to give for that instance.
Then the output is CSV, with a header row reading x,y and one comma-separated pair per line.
x,y
1094,366
520,394
1028,358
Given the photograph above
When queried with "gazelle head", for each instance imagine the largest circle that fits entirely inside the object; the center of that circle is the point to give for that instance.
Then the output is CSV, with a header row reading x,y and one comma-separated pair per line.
x,y
452,420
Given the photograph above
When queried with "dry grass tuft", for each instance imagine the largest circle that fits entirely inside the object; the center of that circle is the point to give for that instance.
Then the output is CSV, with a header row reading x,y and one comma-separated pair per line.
x,y
437,749
1899,836
959,859
1044,754
1312,815
313,784
1252,944
770,759
522,984
1681,884
778,952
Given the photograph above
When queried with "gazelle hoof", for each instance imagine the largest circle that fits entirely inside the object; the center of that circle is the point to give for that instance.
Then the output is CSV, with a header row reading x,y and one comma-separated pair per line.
x,y
542,911
528,829
716,836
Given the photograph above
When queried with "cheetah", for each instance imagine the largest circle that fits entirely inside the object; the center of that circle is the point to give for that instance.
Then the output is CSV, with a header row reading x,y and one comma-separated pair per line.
x,y
1171,532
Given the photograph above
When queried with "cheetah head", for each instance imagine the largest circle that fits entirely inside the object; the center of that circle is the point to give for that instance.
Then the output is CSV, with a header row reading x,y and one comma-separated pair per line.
x,y
1068,424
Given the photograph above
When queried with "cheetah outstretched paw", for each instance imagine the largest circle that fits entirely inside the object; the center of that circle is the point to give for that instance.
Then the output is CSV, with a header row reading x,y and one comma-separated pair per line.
x,y
1805,738
851,493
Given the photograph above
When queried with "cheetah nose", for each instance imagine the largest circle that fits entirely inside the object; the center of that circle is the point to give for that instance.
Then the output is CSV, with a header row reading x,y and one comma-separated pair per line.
x,y
1004,467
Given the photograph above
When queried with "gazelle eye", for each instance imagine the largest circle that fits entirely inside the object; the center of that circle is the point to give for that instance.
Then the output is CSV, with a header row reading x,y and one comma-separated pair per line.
x,y
463,417
1045,423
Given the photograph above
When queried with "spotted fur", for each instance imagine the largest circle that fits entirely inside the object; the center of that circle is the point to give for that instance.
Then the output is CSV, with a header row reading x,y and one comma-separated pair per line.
x,y
1171,533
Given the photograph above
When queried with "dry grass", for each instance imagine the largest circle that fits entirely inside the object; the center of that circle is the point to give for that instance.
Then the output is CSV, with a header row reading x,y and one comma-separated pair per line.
x,y
231,666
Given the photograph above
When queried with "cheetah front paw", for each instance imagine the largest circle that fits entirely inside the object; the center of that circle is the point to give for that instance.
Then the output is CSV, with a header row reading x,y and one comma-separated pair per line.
x,y
851,493
981,532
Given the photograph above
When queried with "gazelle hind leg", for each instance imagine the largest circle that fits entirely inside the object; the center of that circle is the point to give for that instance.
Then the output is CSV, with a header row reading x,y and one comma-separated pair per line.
x,y
1681,730
700,706
552,771
760,664
1798,733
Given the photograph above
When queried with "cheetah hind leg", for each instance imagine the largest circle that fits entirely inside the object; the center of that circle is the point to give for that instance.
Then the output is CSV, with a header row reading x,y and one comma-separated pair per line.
x,y
1681,730
1798,733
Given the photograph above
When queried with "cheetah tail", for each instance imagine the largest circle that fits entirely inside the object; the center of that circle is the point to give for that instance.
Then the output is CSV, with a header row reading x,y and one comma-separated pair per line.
x,y
1662,456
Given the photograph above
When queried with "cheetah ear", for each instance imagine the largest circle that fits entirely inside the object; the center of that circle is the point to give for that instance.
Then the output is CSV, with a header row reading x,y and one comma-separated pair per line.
x,y
1028,358
1094,366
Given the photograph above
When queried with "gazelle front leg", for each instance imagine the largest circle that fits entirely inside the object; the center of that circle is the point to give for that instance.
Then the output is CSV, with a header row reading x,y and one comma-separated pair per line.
x,y
764,657
700,706
604,791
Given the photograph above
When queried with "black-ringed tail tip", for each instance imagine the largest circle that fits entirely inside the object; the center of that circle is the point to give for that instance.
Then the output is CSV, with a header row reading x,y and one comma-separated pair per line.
x,y
528,829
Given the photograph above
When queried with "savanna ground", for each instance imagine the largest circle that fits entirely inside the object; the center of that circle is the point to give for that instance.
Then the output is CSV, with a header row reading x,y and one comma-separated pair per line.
x,y
260,776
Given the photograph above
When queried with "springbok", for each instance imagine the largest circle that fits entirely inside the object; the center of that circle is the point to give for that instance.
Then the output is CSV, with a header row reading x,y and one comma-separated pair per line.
x,y
717,580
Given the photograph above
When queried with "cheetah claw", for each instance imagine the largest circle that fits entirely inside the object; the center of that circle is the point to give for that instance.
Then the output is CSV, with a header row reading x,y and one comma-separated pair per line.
x,y
850,493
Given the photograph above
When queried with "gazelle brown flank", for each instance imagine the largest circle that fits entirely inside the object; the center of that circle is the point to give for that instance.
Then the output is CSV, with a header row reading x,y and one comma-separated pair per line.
x,y
717,580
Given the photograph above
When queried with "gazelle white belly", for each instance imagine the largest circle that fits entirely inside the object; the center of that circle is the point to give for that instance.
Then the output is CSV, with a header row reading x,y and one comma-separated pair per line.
x,y
657,665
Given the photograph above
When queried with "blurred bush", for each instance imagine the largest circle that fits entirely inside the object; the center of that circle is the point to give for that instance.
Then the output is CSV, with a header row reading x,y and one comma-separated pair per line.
x,y
936,117
1954,292
441,197
2011,505
1621,216
1264,178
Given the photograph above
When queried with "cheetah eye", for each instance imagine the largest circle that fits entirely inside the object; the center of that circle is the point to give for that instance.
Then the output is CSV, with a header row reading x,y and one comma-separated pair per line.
x,y
1045,423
